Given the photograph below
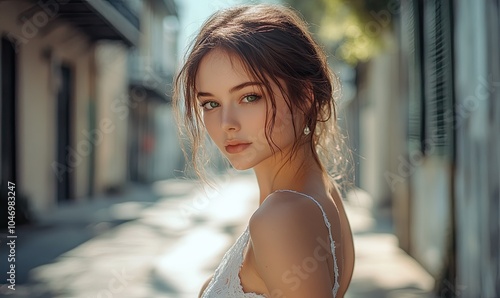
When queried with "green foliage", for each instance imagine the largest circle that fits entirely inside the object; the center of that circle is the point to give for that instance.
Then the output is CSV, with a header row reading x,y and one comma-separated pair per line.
x,y
354,30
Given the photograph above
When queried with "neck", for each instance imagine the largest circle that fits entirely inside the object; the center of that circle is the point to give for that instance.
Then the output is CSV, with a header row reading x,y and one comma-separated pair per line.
x,y
300,173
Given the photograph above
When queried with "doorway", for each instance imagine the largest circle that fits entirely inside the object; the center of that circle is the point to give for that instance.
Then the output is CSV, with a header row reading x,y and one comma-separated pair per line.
x,y
66,158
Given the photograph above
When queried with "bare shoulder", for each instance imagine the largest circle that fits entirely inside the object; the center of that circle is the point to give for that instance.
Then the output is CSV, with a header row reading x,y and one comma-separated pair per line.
x,y
285,211
284,232
287,219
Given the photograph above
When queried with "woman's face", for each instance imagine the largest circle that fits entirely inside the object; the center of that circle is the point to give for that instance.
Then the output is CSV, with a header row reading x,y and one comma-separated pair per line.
x,y
234,112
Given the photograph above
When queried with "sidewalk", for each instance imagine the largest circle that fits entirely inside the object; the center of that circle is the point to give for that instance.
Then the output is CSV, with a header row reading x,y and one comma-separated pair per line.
x,y
166,240
381,269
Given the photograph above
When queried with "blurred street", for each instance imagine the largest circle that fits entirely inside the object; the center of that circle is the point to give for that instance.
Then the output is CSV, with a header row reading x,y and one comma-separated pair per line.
x,y
165,240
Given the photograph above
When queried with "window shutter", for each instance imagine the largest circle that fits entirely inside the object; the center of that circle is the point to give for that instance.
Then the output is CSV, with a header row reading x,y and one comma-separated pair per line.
x,y
438,78
411,44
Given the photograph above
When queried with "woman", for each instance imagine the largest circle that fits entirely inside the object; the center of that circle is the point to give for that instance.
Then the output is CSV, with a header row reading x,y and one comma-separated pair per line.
x,y
257,82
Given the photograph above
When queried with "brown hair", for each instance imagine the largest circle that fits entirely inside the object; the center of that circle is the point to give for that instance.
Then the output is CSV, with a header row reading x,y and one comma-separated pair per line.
x,y
273,42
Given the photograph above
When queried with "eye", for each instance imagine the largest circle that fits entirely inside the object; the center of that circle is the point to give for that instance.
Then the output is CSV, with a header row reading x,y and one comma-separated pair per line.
x,y
209,105
251,98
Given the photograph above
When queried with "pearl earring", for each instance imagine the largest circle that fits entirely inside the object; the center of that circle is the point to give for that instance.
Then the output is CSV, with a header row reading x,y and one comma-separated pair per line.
x,y
307,130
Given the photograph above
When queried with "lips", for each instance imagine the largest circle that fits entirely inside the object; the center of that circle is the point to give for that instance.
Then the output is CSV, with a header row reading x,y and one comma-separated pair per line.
x,y
233,147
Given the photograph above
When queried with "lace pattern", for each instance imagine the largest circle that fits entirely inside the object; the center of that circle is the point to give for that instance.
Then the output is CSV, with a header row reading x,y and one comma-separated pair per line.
x,y
226,282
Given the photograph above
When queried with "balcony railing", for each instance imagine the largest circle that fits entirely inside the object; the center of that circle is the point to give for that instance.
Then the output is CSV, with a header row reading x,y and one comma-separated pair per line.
x,y
99,19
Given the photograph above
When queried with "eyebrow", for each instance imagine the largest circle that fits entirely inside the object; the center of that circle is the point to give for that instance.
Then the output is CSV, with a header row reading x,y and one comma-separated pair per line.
x,y
232,90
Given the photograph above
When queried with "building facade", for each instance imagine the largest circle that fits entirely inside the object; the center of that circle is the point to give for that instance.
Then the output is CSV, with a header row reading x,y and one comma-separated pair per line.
x,y
450,73
154,150
66,96
425,126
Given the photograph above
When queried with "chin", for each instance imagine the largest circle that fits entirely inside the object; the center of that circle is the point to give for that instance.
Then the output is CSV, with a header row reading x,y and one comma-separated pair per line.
x,y
241,163
240,166
245,161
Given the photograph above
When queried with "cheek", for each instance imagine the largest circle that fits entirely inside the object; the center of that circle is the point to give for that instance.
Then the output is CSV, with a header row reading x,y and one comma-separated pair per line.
x,y
283,121
211,126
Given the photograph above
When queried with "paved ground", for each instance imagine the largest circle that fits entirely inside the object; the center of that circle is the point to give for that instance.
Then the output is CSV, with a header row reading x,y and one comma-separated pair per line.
x,y
163,241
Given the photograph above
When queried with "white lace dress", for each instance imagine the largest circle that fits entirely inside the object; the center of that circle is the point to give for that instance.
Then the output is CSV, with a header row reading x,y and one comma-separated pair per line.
x,y
226,282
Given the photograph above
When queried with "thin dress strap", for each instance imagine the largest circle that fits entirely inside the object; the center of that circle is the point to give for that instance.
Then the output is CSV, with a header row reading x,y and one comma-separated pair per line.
x,y
332,243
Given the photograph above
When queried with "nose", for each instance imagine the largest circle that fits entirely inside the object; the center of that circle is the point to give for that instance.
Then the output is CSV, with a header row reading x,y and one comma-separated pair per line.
x,y
229,121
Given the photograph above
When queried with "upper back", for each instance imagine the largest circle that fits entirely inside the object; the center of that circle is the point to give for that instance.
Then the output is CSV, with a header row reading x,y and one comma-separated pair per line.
x,y
314,222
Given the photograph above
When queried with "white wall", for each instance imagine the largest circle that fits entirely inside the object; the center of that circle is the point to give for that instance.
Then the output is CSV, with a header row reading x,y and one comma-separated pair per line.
x,y
112,112
430,212
380,126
